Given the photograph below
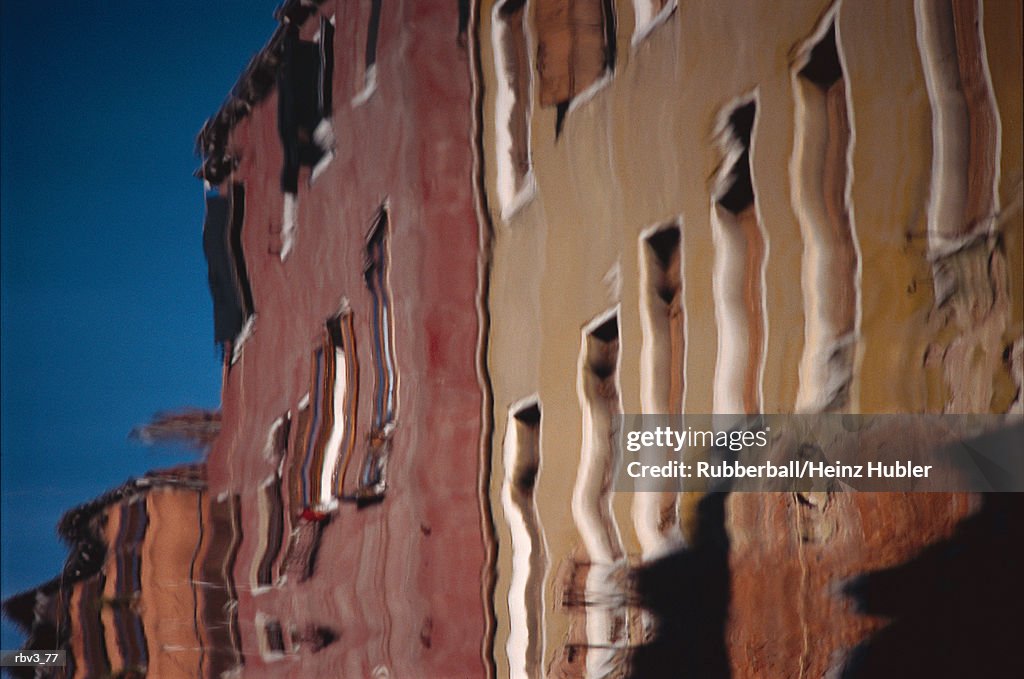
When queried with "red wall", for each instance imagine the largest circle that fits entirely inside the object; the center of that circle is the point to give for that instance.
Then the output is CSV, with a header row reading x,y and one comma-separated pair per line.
x,y
398,579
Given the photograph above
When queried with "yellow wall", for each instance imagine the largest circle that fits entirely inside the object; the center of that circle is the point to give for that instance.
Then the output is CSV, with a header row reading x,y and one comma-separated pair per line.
x,y
642,151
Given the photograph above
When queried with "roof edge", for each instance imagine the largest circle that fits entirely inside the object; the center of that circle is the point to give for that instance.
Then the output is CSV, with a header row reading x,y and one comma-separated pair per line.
x,y
257,81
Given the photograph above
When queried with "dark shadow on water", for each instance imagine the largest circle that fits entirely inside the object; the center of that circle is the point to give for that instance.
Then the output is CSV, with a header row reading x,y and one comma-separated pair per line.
x,y
957,608
688,592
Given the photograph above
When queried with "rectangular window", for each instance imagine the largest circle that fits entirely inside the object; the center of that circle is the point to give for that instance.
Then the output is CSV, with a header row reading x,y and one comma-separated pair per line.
x,y
512,103
304,103
299,562
372,477
830,261
275,636
661,316
599,399
662,370
525,644
737,192
222,536
297,483
237,252
271,637
306,519
372,30
605,613
228,276
241,272
738,285
271,533
575,48
340,341
320,411
325,83
329,433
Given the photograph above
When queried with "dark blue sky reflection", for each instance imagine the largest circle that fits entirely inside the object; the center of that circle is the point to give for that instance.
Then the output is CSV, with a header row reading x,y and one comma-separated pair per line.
x,y
106,317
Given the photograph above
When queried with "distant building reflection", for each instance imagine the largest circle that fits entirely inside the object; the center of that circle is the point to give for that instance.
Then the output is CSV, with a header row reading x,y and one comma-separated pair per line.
x,y
148,586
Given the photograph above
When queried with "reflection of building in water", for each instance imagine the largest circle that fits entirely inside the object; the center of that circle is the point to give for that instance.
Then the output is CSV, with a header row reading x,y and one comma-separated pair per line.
x,y
797,206
148,589
449,244
343,245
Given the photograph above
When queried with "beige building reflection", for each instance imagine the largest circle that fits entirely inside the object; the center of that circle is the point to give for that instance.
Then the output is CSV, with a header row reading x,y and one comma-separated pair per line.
x,y
781,207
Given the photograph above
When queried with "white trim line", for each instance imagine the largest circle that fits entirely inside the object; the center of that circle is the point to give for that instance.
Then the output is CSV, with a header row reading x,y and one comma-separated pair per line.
x,y
369,87
642,30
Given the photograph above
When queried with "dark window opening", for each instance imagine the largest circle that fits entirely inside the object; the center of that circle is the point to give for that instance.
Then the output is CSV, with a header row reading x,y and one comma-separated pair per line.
x,y
326,429
271,509
372,31
325,89
369,82
664,245
341,341
561,110
529,415
603,349
320,637
511,10
228,277
304,101
739,264
524,477
823,67
376,276
372,479
607,331
221,537
237,253
274,636
463,19
740,194
821,150
576,46
608,14
590,589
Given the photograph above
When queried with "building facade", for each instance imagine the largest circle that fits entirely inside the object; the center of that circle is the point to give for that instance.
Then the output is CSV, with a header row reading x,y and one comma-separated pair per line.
x,y
734,208
352,406
148,588
450,243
